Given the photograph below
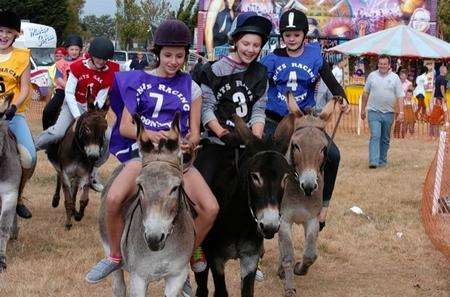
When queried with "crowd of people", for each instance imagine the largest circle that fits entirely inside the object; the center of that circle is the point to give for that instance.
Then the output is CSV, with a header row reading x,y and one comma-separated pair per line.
x,y
235,84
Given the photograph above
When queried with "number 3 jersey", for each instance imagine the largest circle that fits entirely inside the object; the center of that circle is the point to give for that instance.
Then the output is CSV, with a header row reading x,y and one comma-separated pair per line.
x,y
296,74
235,92
155,99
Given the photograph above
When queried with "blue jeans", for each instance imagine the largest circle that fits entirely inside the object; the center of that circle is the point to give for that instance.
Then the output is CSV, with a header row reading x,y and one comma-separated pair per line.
x,y
380,134
19,127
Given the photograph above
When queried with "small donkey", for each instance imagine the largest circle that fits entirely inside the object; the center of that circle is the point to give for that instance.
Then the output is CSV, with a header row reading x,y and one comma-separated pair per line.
x,y
158,240
302,200
10,175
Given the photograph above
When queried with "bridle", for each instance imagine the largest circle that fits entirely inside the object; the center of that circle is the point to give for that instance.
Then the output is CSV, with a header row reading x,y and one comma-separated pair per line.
x,y
252,158
182,195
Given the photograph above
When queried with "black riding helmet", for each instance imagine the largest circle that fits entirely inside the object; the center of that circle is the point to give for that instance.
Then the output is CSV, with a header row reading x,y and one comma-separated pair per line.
x,y
251,22
102,48
294,20
172,33
73,39
10,20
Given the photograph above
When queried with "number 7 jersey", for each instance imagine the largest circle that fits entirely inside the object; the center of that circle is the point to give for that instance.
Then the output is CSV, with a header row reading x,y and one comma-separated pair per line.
x,y
296,74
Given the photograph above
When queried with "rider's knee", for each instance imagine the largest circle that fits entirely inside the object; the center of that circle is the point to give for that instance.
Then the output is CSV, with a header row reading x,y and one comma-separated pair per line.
x,y
113,202
210,210
27,157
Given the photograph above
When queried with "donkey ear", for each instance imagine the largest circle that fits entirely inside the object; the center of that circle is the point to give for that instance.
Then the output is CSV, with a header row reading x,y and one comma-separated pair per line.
x,y
106,105
90,98
284,132
174,132
328,110
243,132
292,105
145,143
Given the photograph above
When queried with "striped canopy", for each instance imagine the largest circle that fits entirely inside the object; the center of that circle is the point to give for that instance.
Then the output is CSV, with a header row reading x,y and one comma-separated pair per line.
x,y
399,41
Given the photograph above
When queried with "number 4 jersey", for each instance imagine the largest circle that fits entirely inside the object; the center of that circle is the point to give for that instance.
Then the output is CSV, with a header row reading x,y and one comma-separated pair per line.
x,y
155,99
296,74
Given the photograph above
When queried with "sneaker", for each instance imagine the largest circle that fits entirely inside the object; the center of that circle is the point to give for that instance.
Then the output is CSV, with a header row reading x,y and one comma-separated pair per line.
x,y
259,276
198,261
372,166
187,289
101,270
22,211
321,226
96,185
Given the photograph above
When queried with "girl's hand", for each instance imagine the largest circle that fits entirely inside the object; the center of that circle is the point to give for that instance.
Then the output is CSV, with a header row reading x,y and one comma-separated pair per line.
x,y
190,142
154,136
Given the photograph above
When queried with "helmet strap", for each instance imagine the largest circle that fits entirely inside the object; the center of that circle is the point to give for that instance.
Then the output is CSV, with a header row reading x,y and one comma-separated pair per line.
x,y
96,67
299,47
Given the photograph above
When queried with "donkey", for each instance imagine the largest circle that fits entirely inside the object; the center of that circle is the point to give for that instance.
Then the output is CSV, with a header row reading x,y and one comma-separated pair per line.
x,y
10,176
158,240
75,155
249,212
306,149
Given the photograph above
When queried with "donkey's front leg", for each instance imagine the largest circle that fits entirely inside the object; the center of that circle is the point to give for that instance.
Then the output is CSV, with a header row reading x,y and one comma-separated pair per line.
x,y
309,254
138,286
249,265
84,200
9,203
70,194
56,195
174,283
118,284
286,248
218,272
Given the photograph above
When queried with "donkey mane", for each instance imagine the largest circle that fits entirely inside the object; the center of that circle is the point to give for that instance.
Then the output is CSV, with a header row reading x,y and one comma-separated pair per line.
x,y
310,120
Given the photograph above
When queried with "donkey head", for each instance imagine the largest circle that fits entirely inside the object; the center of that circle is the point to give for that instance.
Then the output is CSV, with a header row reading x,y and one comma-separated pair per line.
x,y
160,183
307,144
91,126
265,171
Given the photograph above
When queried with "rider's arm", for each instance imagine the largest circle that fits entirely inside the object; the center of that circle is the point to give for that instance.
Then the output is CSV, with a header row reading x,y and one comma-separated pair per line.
x,y
259,115
24,87
330,81
209,105
195,113
127,127
59,78
71,86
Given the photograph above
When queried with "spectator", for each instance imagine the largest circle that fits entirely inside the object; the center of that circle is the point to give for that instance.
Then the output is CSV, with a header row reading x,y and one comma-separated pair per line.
x,y
139,63
406,84
440,86
409,107
436,117
338,72
382,90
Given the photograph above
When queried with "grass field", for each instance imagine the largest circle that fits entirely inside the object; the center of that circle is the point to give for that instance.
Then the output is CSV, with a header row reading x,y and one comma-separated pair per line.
x,y
357,256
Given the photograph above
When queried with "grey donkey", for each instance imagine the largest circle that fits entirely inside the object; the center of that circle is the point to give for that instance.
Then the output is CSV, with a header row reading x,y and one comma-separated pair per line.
x,y
302,201
10,176
158,238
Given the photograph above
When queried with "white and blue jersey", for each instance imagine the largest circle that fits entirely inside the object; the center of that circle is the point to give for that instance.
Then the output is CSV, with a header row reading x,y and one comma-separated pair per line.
x,y
296,74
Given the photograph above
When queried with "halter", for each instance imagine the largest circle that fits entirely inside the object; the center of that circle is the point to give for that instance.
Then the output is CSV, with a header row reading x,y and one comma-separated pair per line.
x,y
248,184
182,195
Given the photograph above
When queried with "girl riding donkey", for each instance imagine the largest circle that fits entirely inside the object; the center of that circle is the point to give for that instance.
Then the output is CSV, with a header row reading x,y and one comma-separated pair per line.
x,y
96,74
155,96
73,46
15,79
296,68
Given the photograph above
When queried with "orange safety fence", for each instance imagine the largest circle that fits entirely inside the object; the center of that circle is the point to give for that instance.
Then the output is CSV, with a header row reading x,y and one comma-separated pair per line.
x,y
436,197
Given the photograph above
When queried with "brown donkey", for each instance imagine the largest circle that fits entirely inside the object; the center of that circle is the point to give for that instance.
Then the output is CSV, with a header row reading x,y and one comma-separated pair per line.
x,y
306,145
75,155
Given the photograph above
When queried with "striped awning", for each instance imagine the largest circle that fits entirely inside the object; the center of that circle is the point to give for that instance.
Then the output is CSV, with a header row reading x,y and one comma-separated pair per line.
x,y
399,41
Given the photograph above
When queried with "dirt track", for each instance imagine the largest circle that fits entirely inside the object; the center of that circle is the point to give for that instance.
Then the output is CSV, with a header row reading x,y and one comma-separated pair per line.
x,y
357,257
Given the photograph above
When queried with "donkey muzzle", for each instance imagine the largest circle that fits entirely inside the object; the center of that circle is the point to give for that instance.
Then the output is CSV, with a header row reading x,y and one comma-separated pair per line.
x,y
155,241
269,221
308,182
92,151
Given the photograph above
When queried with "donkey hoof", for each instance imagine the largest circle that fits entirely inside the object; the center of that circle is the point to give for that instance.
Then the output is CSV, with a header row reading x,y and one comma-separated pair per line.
x,y
281,274
300,269
67,227
55,201
2,264
78,216
290,293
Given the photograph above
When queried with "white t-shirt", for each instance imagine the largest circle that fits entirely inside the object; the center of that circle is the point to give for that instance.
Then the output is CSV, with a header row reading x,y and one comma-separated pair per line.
x,y
383,91
420,85
338,74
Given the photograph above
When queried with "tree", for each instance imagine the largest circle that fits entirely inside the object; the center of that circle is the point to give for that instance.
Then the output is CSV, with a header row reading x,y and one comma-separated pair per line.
x,y
129,22
51,13
153,13
74,8
104,25
180,9
444,18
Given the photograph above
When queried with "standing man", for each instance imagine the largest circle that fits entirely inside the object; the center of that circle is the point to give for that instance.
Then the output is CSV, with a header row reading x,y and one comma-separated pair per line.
x,y
139,63
338,71
382,91
440,89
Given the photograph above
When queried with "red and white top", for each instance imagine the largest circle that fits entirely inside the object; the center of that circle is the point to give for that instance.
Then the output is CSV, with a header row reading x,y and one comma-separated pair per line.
x,y
82,77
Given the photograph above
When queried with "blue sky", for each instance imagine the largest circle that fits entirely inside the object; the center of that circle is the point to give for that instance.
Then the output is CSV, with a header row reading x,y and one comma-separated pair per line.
x,y
100,7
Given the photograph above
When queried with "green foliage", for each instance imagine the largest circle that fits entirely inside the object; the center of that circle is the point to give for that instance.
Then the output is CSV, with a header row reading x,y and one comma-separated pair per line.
x,y
104,25
180,9
444,18
53,13
74,8
188,16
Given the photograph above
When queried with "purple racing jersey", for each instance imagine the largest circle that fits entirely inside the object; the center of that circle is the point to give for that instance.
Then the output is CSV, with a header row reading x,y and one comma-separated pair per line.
x,y
155,99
